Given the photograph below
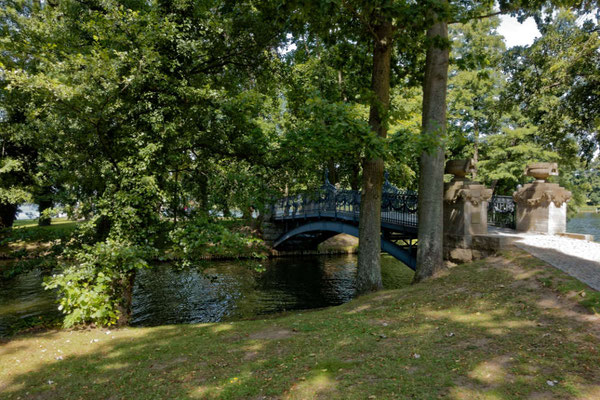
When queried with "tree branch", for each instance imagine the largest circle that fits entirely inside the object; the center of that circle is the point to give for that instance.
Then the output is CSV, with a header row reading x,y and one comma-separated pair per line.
x,y
361,18
478,17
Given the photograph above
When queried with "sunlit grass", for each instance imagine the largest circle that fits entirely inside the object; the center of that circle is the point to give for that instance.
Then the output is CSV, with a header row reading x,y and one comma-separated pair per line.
x,y
28,223
27,246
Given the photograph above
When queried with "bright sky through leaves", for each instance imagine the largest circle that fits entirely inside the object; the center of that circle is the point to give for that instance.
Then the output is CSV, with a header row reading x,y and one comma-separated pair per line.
x,y
516,33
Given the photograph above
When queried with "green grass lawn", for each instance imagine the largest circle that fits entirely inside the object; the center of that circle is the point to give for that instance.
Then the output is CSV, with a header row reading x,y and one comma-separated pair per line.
x,y
492,329
57,223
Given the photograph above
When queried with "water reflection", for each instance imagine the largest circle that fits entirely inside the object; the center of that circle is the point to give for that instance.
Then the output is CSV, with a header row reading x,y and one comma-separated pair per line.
x,y
210,292
235,290
23,300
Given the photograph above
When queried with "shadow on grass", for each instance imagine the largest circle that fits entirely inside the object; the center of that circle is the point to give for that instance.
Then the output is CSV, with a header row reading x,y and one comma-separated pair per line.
x,y
482,331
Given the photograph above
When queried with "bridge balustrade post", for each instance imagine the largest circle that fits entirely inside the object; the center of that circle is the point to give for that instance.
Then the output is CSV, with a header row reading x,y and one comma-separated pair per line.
x,y
542,206
465,211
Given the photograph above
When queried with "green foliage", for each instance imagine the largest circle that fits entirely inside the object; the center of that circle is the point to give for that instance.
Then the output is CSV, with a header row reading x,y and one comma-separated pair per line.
x,y
49,213
201,237
505,156
588,179
10,171
90,289
140,109
568,180
474,86
554,83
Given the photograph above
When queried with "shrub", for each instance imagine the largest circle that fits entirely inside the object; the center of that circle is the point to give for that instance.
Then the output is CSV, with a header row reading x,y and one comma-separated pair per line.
x,y
98,286
201,237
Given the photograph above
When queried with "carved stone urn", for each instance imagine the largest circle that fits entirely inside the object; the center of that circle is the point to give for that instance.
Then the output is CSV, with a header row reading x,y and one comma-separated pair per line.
x,y
465,211
541,171
542,206
460,168
461,187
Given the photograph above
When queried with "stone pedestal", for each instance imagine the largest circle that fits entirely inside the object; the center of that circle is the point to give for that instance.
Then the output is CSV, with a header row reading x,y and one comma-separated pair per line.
x,y
465,215
542,208
271,232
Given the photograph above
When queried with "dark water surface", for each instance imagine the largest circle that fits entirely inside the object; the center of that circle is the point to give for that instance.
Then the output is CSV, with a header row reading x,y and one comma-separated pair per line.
x,y
211,292
587,222
234,290
23,300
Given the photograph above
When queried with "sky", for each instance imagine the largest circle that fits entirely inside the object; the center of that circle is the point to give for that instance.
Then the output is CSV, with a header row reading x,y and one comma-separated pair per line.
x,y
515,33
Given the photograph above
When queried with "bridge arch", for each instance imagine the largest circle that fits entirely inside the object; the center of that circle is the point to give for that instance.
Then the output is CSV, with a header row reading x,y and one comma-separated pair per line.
x,y
340,227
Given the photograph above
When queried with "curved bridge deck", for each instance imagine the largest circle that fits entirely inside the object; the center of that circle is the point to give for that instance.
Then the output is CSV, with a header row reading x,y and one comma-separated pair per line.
x,y
311,218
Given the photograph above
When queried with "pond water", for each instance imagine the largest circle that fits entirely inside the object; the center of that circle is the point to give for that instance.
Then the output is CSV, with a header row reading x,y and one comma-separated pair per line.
x,y
587,222
235,290
212,291
23,301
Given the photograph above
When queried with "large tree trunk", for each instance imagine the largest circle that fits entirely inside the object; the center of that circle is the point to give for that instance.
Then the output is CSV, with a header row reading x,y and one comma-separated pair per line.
x,y
333,176
369,255
203,201
431,178
8,213
355,178
43,205
475,149
44,202
175,201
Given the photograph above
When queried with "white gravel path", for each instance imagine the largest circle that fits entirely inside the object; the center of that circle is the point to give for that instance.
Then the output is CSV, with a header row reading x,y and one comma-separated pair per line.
x,y
578,258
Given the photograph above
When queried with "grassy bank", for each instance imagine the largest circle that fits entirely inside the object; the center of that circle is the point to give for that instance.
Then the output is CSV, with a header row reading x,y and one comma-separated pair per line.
x,y
487,330
588,208
28,246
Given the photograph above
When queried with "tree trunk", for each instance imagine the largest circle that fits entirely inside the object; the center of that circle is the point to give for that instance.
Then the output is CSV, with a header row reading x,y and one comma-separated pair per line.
x,y
103,227
175,198
247,215
369,256
226,211
8,213
431,178
124,307
355,178
203,185
44,203
475,149
333,178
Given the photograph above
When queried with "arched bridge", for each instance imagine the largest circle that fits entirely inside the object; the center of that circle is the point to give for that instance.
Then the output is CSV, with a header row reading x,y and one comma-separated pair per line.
x,y
308,219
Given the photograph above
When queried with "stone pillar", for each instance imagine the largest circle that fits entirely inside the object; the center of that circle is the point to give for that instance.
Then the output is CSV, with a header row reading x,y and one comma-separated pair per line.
x,y
465,211
271,232
542,206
